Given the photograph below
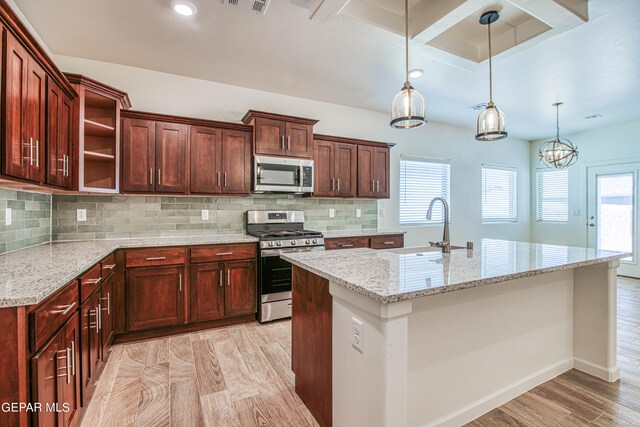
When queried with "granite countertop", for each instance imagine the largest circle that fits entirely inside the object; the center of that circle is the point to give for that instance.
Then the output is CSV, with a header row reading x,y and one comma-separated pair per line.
x,y
358,233
30,275
402,274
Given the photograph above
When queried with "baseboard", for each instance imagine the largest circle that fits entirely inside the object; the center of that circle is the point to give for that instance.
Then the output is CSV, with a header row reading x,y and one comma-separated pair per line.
x,y
482,406
610,375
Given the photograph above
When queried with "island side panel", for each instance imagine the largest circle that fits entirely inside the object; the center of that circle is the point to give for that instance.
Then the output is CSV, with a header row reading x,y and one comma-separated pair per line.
x,y
14,383
594,325
311,349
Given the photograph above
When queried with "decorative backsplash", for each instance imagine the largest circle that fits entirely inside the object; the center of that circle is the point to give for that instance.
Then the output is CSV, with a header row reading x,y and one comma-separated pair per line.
x,y
30,219
150,216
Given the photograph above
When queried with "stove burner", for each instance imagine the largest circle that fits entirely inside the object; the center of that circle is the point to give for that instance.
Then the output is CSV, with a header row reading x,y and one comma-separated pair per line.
x,y
285,234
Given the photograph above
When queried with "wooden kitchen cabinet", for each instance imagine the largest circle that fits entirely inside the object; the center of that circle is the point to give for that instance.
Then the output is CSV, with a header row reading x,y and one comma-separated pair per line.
x,y
138,155
382,241
154,297
171,158
207,291
240,289
220,161
373,172
55,378
91,345
24,117
59,126
335,165
280,135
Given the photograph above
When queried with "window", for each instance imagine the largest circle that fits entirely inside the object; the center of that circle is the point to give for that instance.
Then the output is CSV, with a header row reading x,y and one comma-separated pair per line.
x,y
420,181
552,195
499,194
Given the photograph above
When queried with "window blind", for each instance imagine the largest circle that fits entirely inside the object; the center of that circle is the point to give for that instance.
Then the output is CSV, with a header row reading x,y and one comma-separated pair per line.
x,y
499,194
552,195
420,181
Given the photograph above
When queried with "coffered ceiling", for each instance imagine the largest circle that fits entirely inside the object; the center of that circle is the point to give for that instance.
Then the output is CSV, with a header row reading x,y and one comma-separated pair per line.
x,y
352,52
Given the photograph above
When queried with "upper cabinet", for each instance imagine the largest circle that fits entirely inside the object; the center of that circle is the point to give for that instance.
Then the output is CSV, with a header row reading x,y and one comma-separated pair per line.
x,y
59,128
279,135
96,134
373,172
177,155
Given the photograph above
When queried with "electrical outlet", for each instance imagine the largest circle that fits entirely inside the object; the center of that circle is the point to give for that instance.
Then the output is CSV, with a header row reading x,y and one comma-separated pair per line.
x,y
81,215
205,214
357,333
381,212
7,216
575,212
332,213
358,213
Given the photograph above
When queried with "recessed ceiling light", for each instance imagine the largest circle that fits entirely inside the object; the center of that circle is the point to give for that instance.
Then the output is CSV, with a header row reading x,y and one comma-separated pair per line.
x,y
414,73
184,8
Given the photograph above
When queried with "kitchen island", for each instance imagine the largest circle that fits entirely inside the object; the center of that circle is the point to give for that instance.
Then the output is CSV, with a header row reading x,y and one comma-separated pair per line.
x,y
443,338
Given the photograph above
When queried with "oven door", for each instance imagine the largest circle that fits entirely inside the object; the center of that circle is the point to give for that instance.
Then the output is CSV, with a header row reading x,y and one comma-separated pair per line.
x,y
275,273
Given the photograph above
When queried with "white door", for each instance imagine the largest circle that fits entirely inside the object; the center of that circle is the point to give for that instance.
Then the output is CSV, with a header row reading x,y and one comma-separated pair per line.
x,y
612,212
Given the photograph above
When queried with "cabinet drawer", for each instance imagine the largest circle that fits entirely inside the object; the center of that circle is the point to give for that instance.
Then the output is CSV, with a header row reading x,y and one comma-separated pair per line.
x,y
108,265
90,281
223,252
155,256
387,241
47,318
346,243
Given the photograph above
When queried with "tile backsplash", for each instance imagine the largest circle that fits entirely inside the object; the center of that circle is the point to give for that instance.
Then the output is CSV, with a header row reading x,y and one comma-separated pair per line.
x,y
30,219
149,216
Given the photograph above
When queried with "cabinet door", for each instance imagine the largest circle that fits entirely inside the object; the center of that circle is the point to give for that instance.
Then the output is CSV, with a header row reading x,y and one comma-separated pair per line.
x,y
36,108
323,162
207,291
346,169
69,386
138,155
205,152
48,367
106,320
154,297
299,140
366,184
171,157
55,162
64,143
381,172
90,345
269,137
240,290
236,162
17,150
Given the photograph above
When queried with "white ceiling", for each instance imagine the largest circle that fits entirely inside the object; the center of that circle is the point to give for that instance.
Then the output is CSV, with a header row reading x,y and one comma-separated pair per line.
x,y
592,68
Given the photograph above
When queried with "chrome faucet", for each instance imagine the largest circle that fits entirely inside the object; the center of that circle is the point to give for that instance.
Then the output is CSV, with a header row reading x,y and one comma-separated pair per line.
x,y
446,243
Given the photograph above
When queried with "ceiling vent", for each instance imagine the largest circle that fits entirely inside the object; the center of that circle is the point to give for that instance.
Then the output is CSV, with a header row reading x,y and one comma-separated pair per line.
x,y
479,107
257,6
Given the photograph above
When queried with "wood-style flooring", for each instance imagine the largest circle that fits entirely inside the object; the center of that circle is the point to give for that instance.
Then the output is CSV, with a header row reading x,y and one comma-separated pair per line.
x,y
241,376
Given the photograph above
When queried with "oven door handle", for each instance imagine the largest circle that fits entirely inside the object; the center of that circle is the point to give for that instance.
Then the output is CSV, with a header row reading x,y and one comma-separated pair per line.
x,y
276,252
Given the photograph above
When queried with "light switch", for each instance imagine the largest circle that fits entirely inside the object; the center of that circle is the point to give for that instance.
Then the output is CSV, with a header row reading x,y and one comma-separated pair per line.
x,y
575,212
332,213
358,213
205,214
81,215
7,216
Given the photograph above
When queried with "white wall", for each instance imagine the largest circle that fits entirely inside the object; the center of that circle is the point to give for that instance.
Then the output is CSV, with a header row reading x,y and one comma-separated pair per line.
x,y
608,145
173,94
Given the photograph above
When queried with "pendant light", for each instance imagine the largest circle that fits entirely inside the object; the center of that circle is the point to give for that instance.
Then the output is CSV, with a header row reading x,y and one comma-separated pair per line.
x,y
558,153
491,121
407,108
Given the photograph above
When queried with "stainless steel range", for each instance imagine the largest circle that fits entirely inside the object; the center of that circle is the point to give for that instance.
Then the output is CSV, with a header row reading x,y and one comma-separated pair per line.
x,y
279,231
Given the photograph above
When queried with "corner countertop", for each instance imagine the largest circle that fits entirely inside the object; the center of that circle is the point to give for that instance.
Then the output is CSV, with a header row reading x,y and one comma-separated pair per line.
x,y
359,233
403,274
28,276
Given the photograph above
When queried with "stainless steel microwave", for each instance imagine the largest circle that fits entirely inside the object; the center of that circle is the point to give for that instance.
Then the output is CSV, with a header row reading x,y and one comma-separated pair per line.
x,y
282,175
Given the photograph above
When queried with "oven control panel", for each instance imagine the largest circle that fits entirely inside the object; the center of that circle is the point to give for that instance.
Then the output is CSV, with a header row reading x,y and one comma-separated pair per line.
x,y
291,243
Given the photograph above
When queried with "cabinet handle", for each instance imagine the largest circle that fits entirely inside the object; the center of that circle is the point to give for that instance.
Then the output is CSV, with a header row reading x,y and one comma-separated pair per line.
x,y
159,177
150,176
338,180
67,165
30,151
333,184
110,266
377,186
220,278
228,277
73,357
289,142
94,281
180,280
224,253
156,258
218,178
67,358
37,153
68,309
346,246
282,142
108,298
99,318
225,179
373,186
389,243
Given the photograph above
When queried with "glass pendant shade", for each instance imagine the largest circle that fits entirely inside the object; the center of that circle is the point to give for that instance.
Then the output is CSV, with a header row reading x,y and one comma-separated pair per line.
x,y
491,124
407,109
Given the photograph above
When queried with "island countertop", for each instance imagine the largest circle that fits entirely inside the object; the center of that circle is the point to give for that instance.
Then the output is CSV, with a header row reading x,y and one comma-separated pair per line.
x,y
402,274
28,276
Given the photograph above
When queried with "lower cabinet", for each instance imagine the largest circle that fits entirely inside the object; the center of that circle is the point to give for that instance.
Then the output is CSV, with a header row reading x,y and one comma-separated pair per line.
x,y
384,241
91,356
154,297
222,289
55,378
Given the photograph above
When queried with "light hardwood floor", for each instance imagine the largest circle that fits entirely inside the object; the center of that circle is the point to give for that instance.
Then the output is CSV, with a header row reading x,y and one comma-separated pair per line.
x,y
240,376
